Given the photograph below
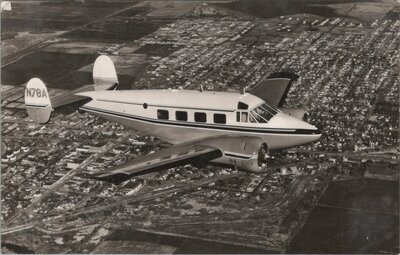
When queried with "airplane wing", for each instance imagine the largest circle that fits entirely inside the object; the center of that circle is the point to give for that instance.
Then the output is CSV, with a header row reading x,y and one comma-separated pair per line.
x,y
273,91
176,155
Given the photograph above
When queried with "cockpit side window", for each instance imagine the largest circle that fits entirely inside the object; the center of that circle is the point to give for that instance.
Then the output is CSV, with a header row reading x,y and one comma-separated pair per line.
x,y
245,116
242,116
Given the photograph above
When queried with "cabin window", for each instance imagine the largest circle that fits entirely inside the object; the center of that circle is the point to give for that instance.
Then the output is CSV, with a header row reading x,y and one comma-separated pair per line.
x,y
200,117
180,115
162,114
243,106
219,118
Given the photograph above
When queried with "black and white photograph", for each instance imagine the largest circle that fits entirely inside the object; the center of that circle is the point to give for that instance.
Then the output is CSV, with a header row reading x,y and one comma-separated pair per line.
x,y
200,126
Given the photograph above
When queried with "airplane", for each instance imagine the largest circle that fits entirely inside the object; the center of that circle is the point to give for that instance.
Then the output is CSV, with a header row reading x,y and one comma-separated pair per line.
x,y
203,127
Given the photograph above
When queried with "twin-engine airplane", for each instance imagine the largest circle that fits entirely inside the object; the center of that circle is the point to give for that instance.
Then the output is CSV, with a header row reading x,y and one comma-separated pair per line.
x,y
235,129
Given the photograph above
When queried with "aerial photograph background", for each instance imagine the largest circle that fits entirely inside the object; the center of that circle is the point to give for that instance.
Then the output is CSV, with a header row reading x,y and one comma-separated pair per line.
x,y
339,194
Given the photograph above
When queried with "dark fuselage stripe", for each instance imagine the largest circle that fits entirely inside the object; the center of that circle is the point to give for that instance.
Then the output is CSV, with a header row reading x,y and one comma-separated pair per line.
x,y
186,124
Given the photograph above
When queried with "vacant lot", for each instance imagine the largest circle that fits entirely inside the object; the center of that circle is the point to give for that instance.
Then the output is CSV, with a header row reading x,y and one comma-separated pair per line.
x,y
116,31
276,8
52,68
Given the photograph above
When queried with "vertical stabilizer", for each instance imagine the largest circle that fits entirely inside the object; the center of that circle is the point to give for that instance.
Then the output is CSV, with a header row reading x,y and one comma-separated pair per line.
x,y
37,101
6,6
273,91
104,74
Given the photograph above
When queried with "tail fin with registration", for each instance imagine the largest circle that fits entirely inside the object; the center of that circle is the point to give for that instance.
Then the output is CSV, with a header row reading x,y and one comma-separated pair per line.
x,y
37,101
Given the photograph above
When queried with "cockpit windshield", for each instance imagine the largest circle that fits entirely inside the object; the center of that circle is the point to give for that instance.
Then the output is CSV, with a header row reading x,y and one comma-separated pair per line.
x,y
263,113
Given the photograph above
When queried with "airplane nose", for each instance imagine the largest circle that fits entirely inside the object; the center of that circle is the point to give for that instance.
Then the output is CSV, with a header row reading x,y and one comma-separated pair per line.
x,y
317,134
303,132
282,120
312,132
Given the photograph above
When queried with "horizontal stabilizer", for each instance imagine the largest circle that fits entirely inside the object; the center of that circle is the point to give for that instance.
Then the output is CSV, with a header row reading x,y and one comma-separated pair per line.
x,y
104,78
71,97
39,104
37,101
272,91
104,74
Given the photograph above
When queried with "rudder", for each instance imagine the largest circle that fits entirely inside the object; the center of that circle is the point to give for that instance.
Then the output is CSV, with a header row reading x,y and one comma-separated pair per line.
x,y
104,74
37,101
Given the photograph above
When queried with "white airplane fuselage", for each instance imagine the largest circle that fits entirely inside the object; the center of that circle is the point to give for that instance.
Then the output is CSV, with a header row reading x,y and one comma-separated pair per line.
x,y
177,116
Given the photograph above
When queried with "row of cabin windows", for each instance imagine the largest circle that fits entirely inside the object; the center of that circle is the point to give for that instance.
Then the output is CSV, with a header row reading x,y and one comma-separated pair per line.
x,y
198,116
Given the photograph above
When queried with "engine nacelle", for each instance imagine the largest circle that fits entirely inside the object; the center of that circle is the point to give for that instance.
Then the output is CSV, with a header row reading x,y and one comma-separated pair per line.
x,y
246,153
